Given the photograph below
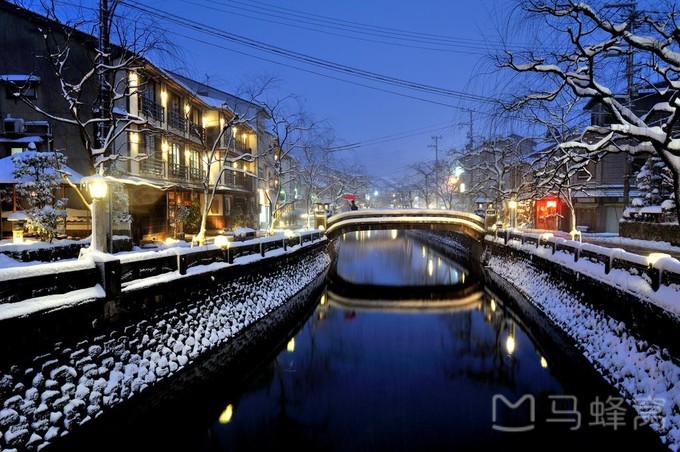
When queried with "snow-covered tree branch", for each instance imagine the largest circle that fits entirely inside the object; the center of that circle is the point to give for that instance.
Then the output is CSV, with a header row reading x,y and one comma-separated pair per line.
x,y
583,69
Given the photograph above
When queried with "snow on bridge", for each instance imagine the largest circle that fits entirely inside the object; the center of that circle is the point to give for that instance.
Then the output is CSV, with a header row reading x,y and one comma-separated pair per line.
x,y
433,219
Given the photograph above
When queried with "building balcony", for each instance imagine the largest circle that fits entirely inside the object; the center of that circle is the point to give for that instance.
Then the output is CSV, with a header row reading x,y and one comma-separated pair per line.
x,y
196,131
151,109
178,171
237,181
196,174
177,121
152,167
240,146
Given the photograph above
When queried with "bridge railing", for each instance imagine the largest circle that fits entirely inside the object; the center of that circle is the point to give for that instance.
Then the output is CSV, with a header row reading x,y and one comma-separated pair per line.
x,y
372,213
113,272
413,217
658,269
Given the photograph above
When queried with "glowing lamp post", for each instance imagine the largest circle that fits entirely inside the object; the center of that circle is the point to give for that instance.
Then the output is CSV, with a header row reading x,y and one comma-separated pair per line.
x,y
98,188
512,205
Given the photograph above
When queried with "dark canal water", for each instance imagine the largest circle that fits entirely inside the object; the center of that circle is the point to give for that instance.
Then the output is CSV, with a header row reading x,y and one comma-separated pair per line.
x,y
444,374
389,361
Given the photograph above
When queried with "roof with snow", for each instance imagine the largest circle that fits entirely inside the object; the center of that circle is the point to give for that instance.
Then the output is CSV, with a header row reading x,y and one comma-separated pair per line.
x,y
7,169
19,78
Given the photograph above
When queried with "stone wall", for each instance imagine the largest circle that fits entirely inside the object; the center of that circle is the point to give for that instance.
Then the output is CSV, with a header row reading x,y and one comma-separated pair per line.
x,y
47,394
660,232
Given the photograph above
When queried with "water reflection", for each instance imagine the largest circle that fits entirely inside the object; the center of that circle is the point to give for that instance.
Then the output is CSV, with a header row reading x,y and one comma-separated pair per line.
x,y
393,258
362,375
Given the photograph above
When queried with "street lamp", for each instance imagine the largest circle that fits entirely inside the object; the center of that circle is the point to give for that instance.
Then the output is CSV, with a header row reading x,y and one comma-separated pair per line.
x,y
512,205
98,188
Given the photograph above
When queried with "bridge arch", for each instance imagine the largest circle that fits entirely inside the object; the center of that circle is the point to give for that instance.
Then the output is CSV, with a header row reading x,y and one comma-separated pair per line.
x,y
382,219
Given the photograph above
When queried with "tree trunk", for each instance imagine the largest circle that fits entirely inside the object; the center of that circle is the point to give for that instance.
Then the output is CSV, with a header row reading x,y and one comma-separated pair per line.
x,y
200,237
676,187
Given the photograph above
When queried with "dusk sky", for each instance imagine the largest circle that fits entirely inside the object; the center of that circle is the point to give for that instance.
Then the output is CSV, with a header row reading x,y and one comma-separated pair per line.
x,y
440,43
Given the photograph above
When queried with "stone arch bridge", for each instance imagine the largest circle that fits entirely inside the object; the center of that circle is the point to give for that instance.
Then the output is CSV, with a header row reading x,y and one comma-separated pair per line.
x,y
385,219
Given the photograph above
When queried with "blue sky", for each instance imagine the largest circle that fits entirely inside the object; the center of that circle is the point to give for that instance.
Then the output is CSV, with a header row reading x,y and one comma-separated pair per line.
x,y
443,44
357,113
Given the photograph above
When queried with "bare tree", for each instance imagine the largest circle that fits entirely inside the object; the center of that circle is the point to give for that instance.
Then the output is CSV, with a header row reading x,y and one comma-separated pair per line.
x,y
498,169
321,172
563,172
448,187
404,192
93,78
220,154
592,38
423,181
289,124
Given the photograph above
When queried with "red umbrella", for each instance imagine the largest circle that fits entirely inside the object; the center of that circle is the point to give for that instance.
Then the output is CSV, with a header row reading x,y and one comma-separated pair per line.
x,y
349,197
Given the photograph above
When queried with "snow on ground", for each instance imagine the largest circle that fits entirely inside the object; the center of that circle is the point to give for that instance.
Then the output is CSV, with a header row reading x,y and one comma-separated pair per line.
x,y
611,238
666,297
640,371
50,302
56,393
644,374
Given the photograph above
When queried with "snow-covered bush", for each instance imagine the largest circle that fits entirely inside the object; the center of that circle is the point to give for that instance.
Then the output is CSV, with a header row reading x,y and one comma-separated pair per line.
x,y
654,182
39,179
121,203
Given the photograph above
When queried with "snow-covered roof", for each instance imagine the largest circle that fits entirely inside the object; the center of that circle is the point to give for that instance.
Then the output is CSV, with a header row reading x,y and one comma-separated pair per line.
x,y
603,191
651,209
7,172
19,78
29,139
17,216
213,102
136,180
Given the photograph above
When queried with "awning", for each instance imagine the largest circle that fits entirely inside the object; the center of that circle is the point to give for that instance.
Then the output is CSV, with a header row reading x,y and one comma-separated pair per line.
x,y
603,191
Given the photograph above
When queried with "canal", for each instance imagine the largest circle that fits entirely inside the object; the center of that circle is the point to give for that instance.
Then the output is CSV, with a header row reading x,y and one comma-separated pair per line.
x,y
403,350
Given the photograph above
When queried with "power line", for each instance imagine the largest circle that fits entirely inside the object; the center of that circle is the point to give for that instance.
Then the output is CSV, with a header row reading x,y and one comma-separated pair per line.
x,y
444,45
392,137
280,10
355,83
325,64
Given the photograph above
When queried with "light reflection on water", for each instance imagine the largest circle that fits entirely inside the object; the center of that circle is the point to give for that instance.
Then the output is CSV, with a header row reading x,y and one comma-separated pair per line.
x,y
386,378
391,258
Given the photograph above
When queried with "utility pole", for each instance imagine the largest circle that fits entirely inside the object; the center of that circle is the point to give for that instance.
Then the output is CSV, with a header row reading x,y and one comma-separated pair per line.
x,y
104,107
470,136
102,61
436,139
631,17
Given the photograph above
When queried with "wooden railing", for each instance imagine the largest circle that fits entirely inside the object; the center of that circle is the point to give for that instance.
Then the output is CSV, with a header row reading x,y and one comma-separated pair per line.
x,y
151,109
152,166
177,121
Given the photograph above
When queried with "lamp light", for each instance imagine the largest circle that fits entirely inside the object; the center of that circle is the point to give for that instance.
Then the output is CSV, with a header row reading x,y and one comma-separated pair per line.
x,y
97,186
221,241
654,257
